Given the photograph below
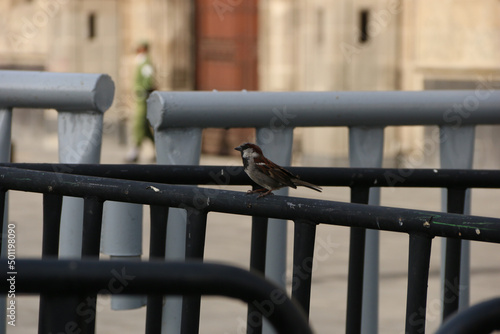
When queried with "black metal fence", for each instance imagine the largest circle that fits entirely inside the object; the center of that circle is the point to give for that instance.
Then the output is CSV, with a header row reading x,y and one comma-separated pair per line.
x,y
154,186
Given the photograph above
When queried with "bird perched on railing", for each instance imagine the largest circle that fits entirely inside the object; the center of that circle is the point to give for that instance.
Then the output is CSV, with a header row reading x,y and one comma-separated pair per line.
x,y
266,173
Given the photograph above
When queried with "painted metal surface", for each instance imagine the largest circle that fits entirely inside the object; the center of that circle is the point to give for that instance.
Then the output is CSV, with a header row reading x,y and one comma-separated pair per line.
x,y
61,91
365,113
303,109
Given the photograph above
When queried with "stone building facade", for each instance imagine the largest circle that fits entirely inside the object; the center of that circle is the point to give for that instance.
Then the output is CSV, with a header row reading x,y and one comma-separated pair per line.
x,y
306,45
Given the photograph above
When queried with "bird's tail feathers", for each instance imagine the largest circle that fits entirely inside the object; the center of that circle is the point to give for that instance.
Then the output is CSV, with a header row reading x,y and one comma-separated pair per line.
x,y
299,182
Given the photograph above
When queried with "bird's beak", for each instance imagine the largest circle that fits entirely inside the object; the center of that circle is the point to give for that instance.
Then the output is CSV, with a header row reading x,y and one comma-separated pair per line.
x,y
238,148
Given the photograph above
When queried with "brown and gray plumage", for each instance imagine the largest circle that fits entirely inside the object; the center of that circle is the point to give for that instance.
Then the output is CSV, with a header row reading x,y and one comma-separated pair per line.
x,y
266,173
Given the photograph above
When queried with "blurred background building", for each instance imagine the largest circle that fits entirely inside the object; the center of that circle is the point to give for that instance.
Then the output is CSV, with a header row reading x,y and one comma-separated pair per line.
x,y
273,45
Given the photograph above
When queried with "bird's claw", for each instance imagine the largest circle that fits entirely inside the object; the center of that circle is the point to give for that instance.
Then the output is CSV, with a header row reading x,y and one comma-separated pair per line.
x,y
263,191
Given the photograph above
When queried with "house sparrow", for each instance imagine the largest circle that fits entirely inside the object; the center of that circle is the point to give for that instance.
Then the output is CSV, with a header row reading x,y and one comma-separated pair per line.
x,y
266,173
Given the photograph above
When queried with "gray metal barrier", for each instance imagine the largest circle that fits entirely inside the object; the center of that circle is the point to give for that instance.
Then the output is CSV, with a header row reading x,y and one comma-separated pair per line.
x,y
80,100
179,117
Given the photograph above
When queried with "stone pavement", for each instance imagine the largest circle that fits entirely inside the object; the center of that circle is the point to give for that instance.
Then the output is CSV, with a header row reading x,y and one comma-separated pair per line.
x,y
228,240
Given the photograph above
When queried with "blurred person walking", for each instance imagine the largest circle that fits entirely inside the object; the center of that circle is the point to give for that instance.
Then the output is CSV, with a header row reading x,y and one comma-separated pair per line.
x,y
143,86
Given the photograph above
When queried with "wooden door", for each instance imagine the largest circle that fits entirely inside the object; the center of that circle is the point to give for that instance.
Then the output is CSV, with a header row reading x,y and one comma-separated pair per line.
x,y
226,59
226,40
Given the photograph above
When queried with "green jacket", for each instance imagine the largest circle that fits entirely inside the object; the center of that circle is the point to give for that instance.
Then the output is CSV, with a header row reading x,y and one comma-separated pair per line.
x,y
143,79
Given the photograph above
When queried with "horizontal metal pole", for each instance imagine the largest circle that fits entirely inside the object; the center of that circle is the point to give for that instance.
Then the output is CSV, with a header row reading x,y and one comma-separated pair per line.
x,y
481,318
61,91
323,176
64,277
280,207
303,109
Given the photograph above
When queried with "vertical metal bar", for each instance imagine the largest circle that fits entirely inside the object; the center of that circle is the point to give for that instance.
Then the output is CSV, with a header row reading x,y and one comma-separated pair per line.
x,y
357,240
158,235
122,240
366,147
70,240
91,241
158,232
3,221
122,229
168,153
303,256
418,276
257,265
196,228
5,134
457,151
5,154
451,287
80,138
92,225
62,315
52,205
258,244
67,310
176,229
276,143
